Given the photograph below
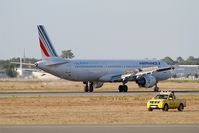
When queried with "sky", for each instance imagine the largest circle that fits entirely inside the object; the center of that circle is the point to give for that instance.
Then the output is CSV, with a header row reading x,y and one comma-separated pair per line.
x,y
101,29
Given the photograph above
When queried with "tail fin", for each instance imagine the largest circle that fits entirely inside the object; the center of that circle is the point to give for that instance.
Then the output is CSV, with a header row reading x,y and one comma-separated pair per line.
x,y
46,46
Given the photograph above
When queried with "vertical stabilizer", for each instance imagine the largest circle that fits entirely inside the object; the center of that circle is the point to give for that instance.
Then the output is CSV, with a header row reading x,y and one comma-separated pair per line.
x,y
46,45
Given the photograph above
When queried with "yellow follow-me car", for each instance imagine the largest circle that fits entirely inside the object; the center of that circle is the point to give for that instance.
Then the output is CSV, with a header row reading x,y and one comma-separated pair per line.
x,y
166,100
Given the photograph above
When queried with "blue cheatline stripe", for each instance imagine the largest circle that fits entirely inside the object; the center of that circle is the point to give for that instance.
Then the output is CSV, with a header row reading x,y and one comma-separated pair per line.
x,y
47,41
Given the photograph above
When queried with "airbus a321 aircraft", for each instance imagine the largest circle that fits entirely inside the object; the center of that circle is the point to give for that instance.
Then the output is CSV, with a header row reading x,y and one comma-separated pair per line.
x,y
94,73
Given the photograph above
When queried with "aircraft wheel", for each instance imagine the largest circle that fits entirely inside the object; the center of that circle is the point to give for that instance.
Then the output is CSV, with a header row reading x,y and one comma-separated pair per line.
x,y
86,88
125,88
91,89
156,89
120,88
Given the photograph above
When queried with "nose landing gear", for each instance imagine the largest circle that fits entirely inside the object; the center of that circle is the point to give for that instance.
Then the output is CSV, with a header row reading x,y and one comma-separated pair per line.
x,y
156,88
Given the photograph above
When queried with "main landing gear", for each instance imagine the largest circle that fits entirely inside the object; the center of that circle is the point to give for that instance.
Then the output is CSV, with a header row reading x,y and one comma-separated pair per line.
x,y
123,88
156,88
88,86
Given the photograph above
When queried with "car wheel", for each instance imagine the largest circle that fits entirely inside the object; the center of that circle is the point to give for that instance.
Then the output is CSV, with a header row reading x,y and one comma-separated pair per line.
x,y
150,109
166,107
181,107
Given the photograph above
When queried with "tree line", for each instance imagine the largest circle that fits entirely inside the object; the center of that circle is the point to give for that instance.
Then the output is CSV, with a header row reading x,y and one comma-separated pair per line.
x,y
180,61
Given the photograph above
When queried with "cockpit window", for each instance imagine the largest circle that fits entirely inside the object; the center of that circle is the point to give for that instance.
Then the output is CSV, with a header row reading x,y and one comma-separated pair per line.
x,y
161,97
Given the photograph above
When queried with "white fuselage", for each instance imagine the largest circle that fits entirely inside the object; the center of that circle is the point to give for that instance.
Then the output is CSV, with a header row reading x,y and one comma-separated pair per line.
x,y
101,70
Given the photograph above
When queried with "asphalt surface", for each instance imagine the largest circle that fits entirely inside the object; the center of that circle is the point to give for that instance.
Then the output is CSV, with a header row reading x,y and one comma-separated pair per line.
x,y
111,93
101,129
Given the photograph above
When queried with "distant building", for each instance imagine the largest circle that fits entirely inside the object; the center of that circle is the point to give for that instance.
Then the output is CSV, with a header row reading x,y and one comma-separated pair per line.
x,y
3,74
44,76
24,73
186,71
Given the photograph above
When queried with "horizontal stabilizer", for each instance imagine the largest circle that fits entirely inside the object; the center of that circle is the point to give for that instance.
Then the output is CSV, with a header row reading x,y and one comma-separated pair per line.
x,y
56,63
52,61
26,64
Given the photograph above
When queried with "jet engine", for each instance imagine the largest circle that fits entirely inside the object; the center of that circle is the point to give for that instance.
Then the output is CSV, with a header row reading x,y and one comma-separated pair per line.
x,y
97,84
146,81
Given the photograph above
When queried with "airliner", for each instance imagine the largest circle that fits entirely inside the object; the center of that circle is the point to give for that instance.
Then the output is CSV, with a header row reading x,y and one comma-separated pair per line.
x,y
94,73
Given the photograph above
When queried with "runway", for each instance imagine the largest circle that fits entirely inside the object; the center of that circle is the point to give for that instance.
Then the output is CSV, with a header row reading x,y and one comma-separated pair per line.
x,y
101,129
65,94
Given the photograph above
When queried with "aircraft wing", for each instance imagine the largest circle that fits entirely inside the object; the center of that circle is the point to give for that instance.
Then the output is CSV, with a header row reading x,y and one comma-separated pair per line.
x,y
151,70
139,72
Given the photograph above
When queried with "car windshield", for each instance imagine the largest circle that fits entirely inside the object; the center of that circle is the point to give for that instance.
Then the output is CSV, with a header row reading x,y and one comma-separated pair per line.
x,y
161,97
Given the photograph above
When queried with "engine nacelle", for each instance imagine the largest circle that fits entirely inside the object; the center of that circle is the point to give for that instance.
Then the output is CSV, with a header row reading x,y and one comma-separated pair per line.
x,y
146,81
97,84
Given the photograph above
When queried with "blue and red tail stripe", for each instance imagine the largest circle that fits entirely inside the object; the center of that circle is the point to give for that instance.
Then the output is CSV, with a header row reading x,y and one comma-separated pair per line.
x,y
45,43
